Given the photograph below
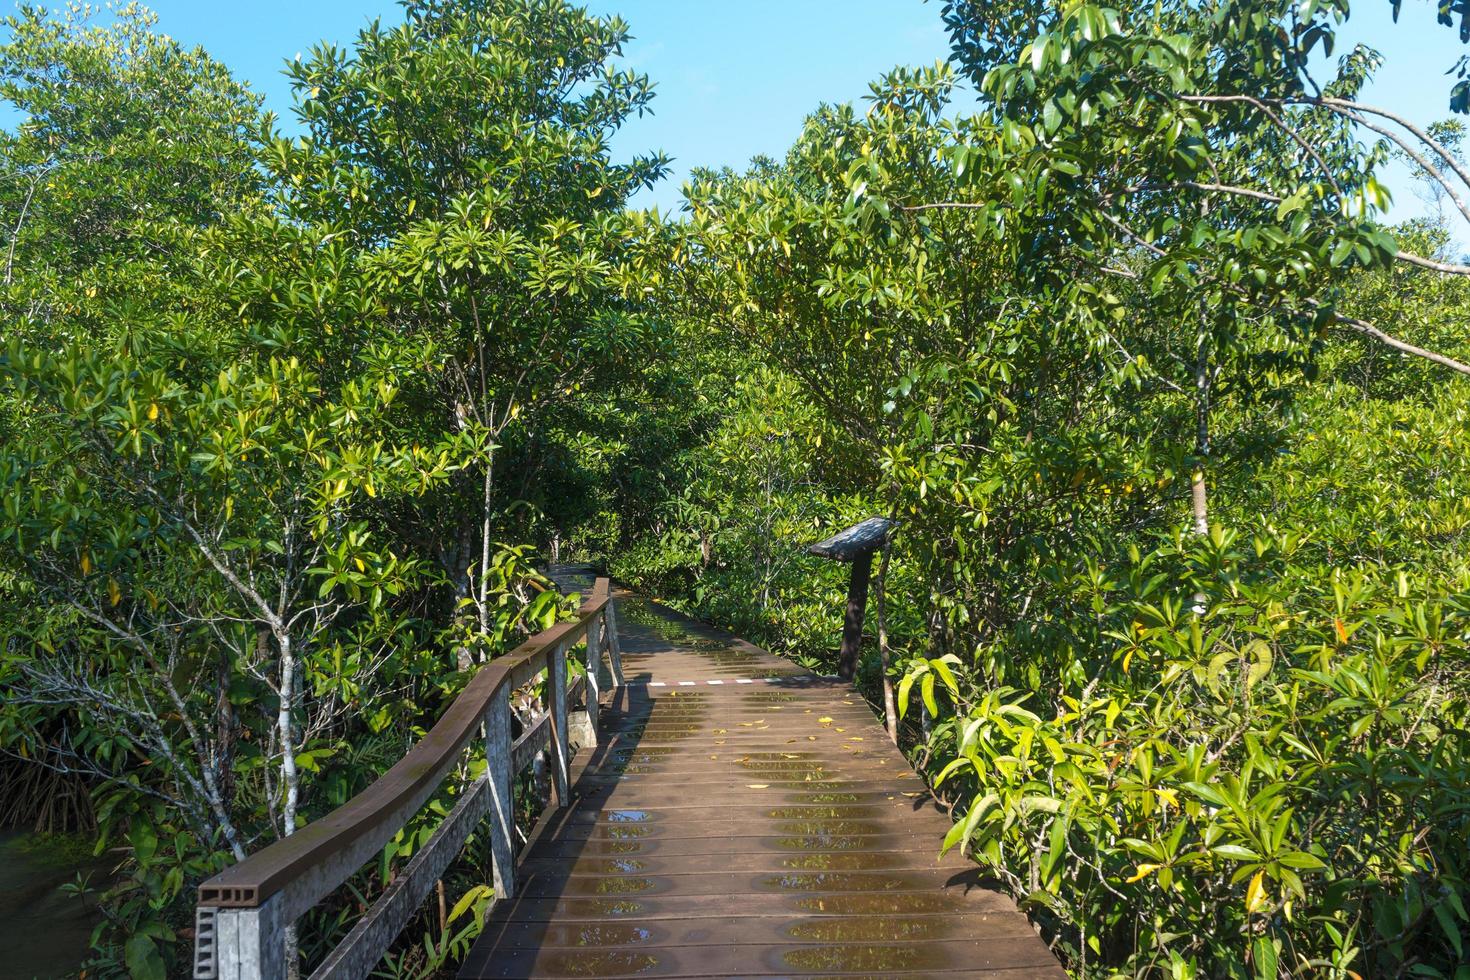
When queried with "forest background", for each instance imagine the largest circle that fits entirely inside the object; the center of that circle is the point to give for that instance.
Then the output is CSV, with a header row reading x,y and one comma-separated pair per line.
x,y
1106,310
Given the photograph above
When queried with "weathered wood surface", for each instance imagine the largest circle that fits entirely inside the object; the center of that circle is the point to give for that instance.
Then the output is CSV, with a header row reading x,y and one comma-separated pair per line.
x,y
741,817
857,541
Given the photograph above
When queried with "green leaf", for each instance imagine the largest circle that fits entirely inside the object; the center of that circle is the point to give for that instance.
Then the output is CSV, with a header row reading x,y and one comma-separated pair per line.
x,y
143,960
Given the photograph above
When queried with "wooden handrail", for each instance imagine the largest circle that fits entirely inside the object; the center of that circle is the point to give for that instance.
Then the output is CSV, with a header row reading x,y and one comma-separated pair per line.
x,y
276,885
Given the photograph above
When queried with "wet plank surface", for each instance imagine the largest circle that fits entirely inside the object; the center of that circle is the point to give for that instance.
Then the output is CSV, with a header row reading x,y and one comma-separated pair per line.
x,y
741,817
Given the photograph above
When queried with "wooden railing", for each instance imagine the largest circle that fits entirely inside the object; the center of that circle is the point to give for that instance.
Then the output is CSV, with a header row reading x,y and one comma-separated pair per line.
x,y
244,912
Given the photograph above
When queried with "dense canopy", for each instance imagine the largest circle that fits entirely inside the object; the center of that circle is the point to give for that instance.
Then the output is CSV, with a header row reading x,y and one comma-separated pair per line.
x,y
1171,421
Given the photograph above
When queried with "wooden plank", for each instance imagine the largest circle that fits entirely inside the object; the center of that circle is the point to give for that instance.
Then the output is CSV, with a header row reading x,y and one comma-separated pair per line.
x,y
1022,956
754,929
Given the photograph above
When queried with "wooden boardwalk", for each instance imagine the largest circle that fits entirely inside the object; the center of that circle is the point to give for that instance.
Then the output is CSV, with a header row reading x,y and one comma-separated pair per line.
x,y
741,817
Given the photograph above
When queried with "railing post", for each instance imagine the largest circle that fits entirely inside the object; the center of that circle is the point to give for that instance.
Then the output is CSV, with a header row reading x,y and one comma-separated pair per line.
x,y
557,678
596,640
502,803
614,652
248,944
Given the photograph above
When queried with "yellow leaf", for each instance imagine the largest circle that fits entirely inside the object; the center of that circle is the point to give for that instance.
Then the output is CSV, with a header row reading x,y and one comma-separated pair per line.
x,y
114,592
153,411
1144,870
1168,797
824,720
86,563
1255,892
757,785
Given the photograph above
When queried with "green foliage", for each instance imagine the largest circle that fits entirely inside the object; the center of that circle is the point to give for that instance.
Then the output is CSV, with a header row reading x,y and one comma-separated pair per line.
x,y
279,415
1275,783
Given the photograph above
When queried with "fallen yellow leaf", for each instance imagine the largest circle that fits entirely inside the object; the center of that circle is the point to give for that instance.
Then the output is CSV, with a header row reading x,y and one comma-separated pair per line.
x,y
824,720
757,785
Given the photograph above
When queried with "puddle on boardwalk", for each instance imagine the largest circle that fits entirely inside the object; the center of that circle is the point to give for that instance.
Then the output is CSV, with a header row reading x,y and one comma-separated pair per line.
x,y
835,828
619,885
609,866
626,816
839,881
615,832
823,842
664,627
847,958
890,929
595,935
603,963
823,798
866,903
602,908
789,765
869,861
846,812
595,847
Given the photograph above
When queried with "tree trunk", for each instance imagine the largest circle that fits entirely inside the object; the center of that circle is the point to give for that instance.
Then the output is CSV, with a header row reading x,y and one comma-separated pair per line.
x,y
1198,491
290,776
890,710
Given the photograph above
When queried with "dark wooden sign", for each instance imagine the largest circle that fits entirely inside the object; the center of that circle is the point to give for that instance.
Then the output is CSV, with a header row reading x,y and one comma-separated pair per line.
x,y
855,545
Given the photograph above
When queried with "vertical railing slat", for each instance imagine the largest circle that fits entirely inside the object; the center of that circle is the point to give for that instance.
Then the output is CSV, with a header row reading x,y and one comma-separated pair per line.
x,y
250,944
502,802
557,695
614,651
596,638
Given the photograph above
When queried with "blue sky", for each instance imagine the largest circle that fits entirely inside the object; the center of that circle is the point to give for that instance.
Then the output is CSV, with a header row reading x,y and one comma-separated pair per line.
x,y
736,78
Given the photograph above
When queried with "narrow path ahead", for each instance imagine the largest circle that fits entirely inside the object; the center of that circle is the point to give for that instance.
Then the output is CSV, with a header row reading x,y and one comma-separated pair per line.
x,y
741,817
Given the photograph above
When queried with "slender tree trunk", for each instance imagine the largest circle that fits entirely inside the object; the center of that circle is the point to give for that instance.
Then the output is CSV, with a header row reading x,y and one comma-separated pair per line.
x,y
290,776
1198,495
1198,490
890,709
482,596
227,725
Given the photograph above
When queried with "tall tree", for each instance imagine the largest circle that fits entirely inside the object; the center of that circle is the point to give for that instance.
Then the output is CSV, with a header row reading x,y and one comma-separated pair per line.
x,y
463,155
